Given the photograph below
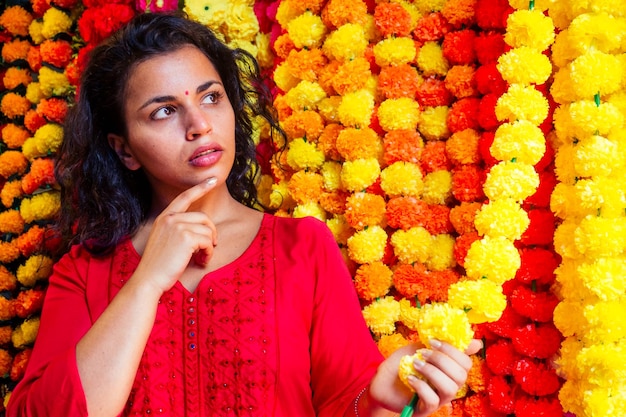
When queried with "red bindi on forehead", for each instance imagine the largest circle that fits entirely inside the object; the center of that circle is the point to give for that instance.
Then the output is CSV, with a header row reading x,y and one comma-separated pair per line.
x,y
186,92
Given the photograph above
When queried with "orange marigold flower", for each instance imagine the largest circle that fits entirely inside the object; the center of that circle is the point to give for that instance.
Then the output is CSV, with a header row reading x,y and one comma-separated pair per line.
x,y
439,221
327,142
434,157
402,145
57,53
5,362
373,280
7,309
14,105
462,216
389,343
29,302
16,20
5,334
478,375
11,221
396,81
11,191
467,183
326,76
353,143
72,72
19,364
391,19
53,109
431,27
334,202
31,241
15,77
33,120
303,124
407,212
462,244
40,7
460,12
12,162
14,50
414,281
8,281
305,187
462,147
351,76
306,64
34,58
14,136
364,209
337,13
283,46
460,81
433,93
41,174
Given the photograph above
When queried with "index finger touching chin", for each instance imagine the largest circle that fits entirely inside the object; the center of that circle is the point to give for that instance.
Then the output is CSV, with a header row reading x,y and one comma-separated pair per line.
x,y
183,201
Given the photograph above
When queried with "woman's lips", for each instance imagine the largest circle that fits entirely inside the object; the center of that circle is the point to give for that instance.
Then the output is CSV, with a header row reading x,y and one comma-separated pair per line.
x,y
205,156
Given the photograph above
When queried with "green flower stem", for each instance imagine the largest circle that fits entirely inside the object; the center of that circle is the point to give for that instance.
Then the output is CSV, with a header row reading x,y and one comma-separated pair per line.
x,y
410,407
531,5
596,98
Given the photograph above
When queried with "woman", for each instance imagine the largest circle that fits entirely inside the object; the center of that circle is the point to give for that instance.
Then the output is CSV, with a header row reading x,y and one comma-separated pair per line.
x,y
178,297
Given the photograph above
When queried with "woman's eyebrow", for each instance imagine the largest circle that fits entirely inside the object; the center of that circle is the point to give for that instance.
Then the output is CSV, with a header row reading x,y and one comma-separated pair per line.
x,y
165,99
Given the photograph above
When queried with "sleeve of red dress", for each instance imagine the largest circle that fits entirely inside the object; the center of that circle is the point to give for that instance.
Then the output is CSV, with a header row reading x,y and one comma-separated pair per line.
x,y
344,356
51,386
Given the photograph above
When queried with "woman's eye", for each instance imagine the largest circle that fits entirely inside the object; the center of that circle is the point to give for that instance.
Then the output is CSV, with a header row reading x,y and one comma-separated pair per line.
x,y
212,98
163,112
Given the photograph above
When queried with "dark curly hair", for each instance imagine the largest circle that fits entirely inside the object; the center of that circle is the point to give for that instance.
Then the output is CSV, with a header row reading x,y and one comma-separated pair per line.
x,y
102,201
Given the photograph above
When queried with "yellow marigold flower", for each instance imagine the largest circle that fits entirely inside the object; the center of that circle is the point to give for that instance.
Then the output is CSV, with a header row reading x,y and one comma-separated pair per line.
x,y
264,55
35,31
381,315
618,99
307,30
388,344
11,222
587,118
433,123
564,240
367,245
55,21
441,253
14,77
364,209
437,187
562,90
564,164
34,93
36,268
522,103
48,138
569,318
595,156
503,217
482,299
359,174
599,195
605,277
406,368
280,198
604,328
304,155
402,179
428,6
440,321
494,258
331,173
394,51
600,31
53,83
531,28
14,105
597,236
520,140
409,315
241,22
16,19
563,201
351,76
24,335
430,60
398,114
346,43
264,189
284,78
540,5
287,10
412,245
305,95
242,44
328,108
373,280
309,209
211,13
44,206
340,229
586,67
361,143
514,180
356,109
524,65
305,187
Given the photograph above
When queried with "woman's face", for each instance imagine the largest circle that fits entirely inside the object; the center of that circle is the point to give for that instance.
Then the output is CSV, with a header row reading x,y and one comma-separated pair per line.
x,y
180,124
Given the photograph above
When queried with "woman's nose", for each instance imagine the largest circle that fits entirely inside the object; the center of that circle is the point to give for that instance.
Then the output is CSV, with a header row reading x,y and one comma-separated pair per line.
x,y
198,123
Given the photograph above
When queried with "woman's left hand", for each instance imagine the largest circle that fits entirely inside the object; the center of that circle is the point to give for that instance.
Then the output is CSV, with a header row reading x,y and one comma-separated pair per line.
x,y
444,368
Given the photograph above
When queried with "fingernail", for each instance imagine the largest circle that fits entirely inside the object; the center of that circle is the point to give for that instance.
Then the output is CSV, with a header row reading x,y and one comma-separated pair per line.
x,y
435,343
426,353
418,364
211,181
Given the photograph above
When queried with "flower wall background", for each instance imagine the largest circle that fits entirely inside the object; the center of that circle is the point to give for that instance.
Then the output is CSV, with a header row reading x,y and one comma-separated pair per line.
x,y
468,156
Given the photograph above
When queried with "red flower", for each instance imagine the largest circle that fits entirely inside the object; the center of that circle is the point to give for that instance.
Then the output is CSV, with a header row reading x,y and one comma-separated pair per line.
x,y
439,221
492,14
31,241
431,27
33,120
536,305
489,80
462,245
541,198
64,4
435,157
489,46
538,265
463,115
541,228
477,405
537,340
508,322
19,364
57,53
487,112
34,58
484,147
458,47
39,7
536,377
501,394
433,92
29,302
545,406
97,23
53,109
501,357
467,183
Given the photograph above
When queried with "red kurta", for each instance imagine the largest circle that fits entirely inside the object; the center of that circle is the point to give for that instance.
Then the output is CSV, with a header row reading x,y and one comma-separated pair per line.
x,y
278,332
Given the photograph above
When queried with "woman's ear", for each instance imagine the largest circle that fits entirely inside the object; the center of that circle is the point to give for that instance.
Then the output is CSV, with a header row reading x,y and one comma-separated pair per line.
x,y
118,143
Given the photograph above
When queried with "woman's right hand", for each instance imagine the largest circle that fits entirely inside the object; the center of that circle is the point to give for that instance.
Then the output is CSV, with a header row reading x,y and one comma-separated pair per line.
x,y
178,235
